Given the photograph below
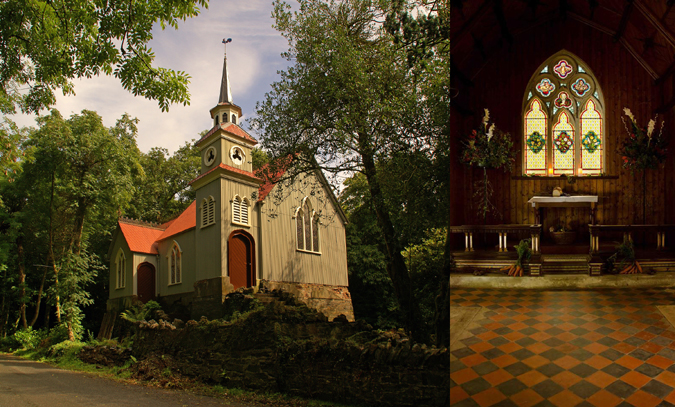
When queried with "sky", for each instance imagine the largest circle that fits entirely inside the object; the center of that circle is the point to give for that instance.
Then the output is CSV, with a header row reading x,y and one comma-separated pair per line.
x,y
253,59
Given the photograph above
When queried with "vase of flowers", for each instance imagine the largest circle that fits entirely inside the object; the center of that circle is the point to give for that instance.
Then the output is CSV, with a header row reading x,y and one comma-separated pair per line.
x,y
642,149
487,147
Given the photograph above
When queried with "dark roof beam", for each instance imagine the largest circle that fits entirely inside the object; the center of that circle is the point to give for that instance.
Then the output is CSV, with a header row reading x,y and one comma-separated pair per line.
x,y
460,75
639,58
624,20
593,5
655,22
669,72
468,26
592,24
499,12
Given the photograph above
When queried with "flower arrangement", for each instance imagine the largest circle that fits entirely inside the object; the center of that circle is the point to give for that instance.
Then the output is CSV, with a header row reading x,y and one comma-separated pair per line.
x,y
643,148
489,147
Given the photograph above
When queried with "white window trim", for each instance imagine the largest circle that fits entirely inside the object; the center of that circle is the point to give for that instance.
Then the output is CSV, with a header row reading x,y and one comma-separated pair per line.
x,y
208,209
313,232
179,277
120,282
248,211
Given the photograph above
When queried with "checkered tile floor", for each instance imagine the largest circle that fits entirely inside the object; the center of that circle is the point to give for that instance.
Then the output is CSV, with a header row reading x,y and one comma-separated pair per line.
x,y
600,348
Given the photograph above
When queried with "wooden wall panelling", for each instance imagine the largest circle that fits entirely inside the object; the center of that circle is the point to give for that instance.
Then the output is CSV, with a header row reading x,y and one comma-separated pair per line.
x,y
500,86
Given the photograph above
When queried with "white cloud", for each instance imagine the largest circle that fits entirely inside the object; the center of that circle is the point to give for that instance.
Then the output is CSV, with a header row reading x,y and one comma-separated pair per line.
x,y
196,48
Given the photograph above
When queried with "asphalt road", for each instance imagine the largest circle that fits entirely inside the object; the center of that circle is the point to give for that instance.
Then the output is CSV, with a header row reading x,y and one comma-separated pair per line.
x,y
29,384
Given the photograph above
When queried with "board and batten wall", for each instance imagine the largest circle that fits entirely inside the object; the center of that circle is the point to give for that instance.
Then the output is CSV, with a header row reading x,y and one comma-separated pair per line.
x,y
500,87
279,258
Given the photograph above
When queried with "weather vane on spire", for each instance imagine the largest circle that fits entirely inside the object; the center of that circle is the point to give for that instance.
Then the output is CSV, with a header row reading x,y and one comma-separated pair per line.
x,y
226,41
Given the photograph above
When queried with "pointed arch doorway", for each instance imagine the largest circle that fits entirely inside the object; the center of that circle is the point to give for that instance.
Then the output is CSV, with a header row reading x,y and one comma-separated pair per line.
x,y
241,259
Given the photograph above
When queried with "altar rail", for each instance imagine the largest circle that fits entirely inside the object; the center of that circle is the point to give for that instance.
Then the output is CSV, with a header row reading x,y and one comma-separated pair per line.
x,y
628,230
501,230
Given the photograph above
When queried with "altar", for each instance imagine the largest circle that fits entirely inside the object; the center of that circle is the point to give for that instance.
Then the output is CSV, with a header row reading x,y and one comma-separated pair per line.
x,y
540,202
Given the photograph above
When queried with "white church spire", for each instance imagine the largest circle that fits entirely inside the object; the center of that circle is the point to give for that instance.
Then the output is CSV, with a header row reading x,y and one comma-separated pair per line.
x,y
225,91
225,111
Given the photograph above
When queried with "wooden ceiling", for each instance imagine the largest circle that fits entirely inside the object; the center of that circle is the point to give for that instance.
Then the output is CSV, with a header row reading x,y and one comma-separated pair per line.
x,y
480,28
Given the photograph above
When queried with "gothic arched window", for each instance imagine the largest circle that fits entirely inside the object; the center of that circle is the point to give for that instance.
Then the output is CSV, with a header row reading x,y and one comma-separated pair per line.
x,y
563,119
121,267
307,227
175,264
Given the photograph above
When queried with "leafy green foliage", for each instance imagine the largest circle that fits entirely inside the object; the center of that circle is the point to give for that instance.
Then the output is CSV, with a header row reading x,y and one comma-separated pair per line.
x,y
48,44
140,312
623,256
524,252
163,191
348,104
425,262
29,338
65,200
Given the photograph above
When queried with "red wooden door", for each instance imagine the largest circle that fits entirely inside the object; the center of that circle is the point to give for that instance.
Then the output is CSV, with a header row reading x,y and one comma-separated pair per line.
x,y
240,260
146,282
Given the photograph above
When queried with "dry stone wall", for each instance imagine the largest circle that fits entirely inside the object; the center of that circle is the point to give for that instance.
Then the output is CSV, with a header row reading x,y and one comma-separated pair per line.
x,y
295,350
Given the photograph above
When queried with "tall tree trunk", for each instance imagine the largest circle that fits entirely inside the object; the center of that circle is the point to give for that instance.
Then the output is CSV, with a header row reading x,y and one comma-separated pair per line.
x,y
51,252
39,297
396,268
78,227
22,282
4,313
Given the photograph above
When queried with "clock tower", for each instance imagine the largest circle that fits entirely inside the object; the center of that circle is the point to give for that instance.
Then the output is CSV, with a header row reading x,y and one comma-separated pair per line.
x,y
225,205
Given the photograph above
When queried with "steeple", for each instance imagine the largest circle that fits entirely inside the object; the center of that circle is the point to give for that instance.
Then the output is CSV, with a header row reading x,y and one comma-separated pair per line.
x,y
225,111
225,92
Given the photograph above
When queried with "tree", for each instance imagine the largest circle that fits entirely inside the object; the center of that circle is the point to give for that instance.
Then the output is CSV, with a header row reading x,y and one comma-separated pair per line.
x,y
163,191
348,102
44,45
80,180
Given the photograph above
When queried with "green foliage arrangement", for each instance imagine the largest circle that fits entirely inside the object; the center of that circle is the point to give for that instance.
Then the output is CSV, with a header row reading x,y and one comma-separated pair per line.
x,y
488,147
643,148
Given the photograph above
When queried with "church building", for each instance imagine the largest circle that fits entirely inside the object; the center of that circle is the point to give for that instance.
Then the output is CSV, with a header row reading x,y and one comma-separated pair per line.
x,y
235,235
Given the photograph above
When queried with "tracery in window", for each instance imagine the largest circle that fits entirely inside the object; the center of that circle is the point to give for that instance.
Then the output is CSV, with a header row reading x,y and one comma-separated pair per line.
x,y
240,210
120,268
564,89
307,227
175,264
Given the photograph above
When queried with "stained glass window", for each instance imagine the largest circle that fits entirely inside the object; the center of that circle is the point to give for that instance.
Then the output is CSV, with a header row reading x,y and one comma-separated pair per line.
x,y
535,139
590,123
563,140
572,142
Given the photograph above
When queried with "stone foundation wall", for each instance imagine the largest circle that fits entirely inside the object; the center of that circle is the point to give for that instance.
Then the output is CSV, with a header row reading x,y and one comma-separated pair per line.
x,y
295,350
116,305
208,297
331,300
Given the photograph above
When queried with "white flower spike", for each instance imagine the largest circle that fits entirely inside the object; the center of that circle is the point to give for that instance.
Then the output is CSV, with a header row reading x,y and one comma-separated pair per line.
x,y
628,113
486,117
489,133
650,128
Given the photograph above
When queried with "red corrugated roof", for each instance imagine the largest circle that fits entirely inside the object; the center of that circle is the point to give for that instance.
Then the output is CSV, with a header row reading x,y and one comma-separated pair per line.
x,y
141,239
270,180
185,221
230,128
226,167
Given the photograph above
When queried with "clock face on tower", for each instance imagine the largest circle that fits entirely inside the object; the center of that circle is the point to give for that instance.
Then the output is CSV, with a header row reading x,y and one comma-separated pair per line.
x,y
237,155
209,156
